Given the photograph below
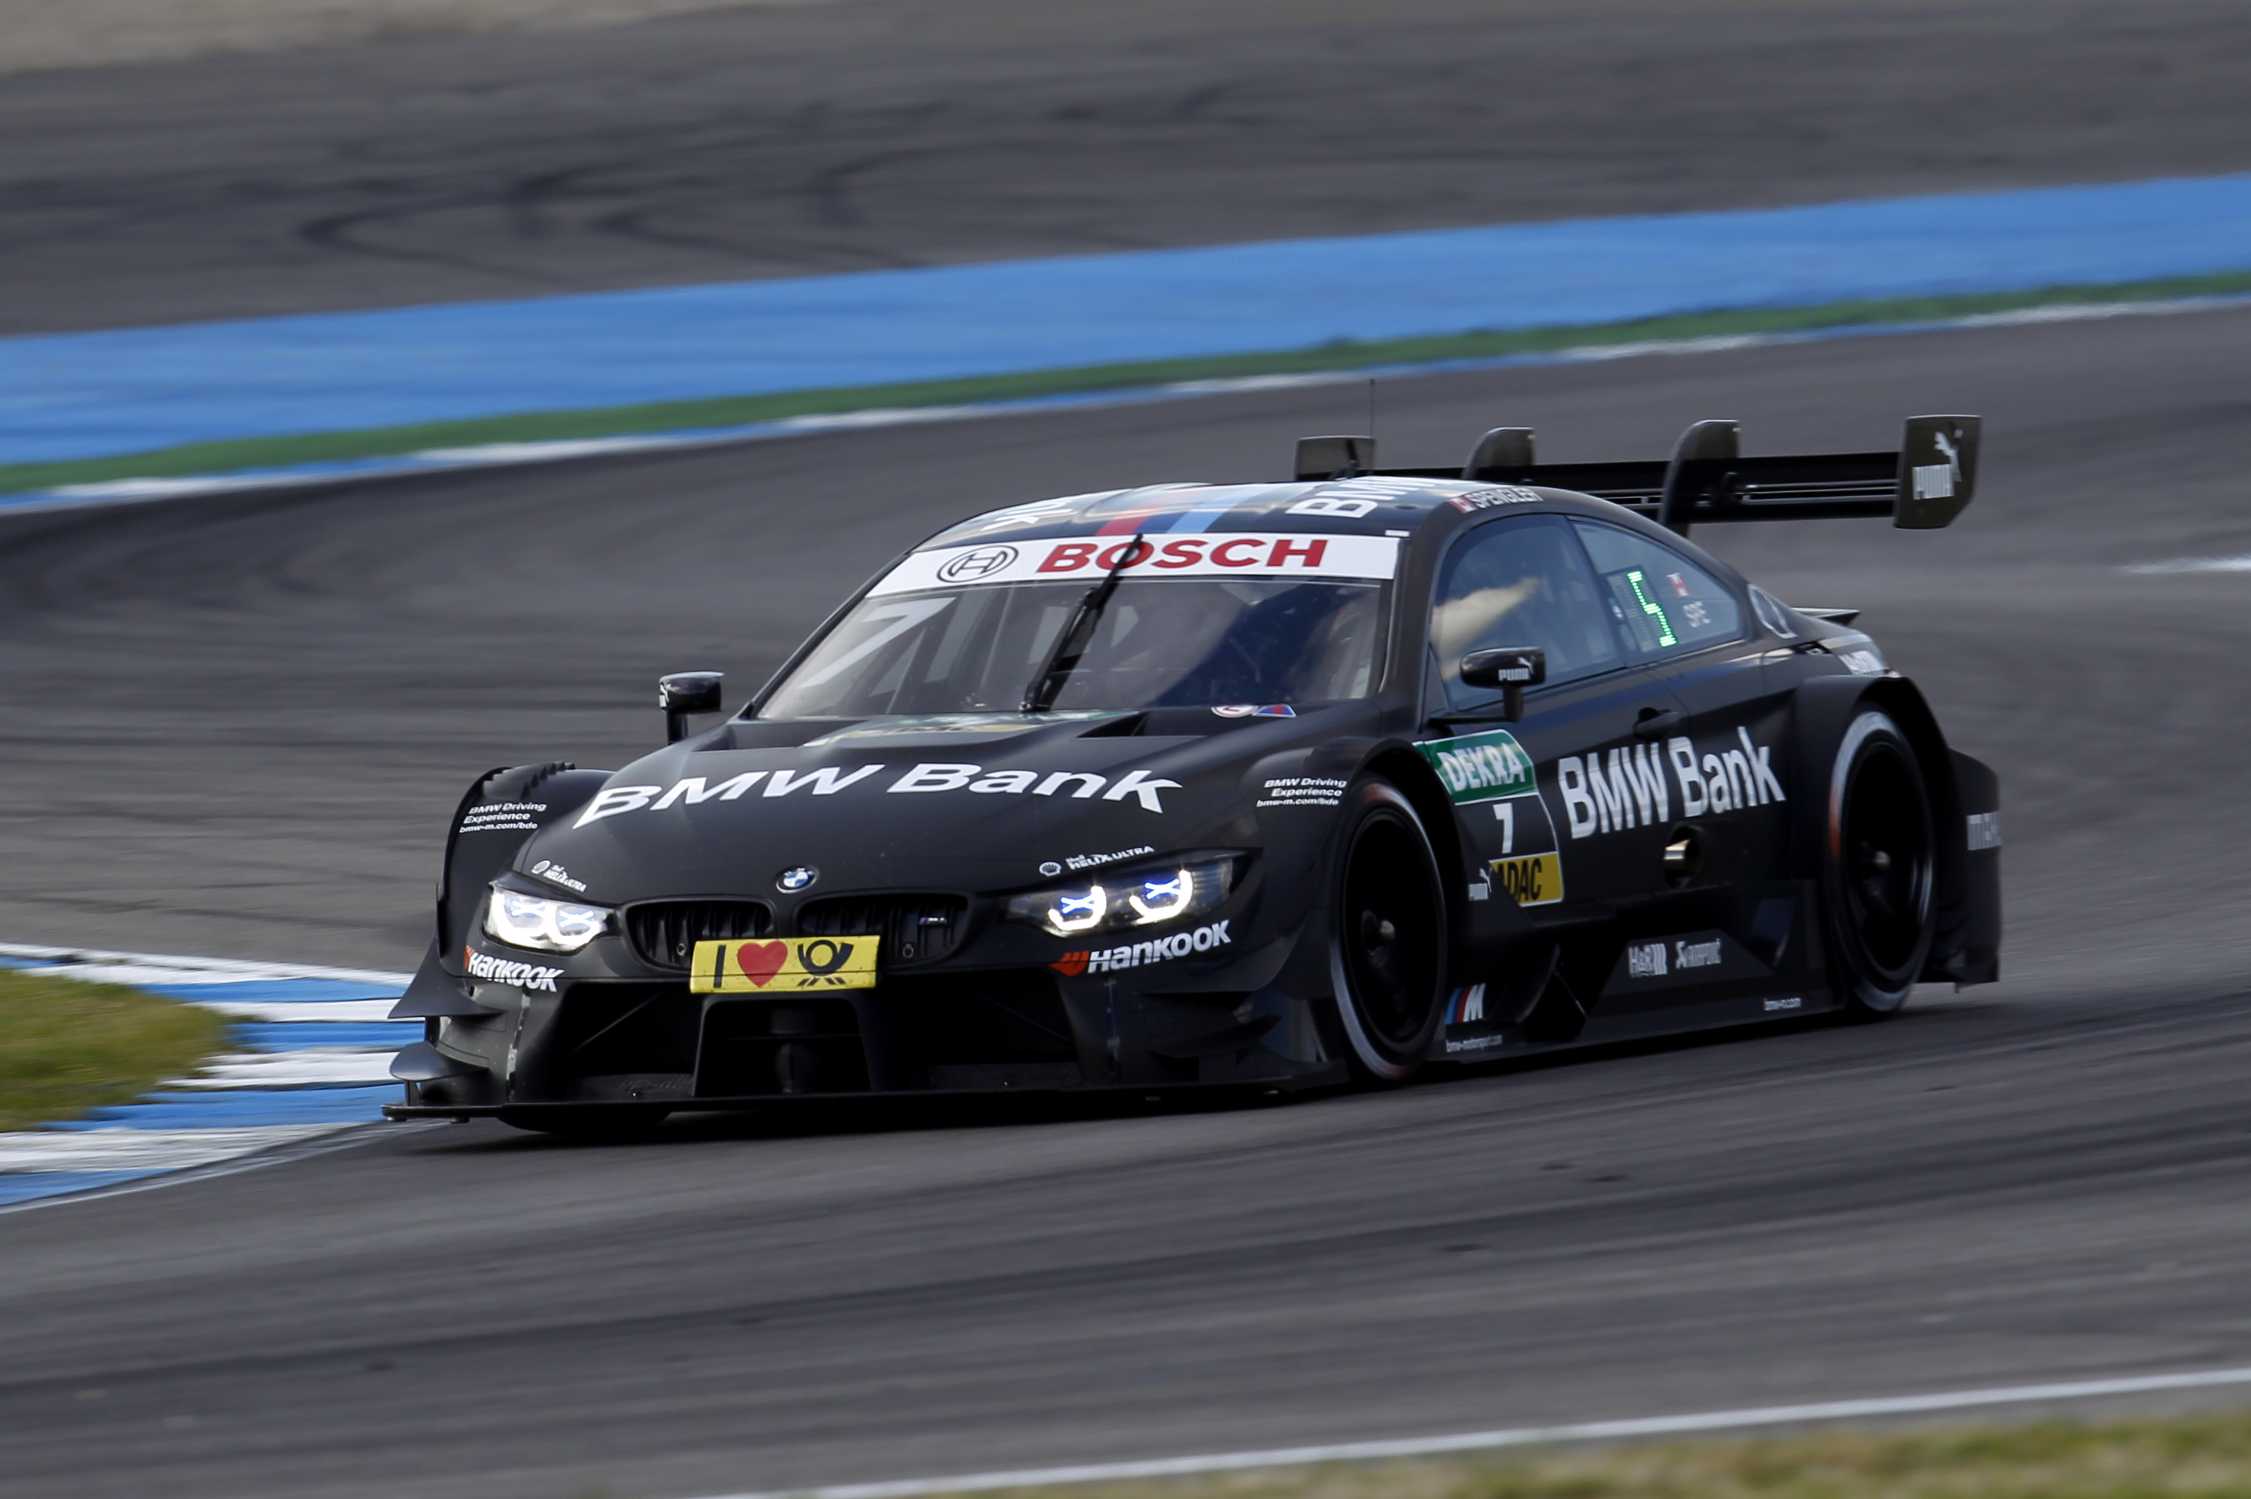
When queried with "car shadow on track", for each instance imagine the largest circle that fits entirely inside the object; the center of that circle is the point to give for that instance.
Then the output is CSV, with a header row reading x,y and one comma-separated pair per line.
x,y
1939,1028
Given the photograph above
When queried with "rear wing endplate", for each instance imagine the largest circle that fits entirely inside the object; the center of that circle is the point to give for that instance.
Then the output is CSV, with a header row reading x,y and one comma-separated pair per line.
x,y
1922,485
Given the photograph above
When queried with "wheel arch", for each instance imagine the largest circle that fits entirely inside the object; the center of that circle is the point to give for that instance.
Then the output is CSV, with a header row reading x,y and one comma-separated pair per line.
x,y
1824,710
1411,773
559,787
1404,778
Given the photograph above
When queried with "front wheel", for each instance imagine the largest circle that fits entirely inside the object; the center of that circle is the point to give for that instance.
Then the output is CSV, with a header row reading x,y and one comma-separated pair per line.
x,y
1878,867
1388,937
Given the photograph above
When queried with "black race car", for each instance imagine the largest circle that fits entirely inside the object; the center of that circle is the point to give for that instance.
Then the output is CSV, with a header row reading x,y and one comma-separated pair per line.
x,y
1257,784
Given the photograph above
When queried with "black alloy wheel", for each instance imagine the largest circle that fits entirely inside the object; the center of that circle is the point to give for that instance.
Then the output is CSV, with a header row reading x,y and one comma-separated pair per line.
x,y
1879,866
1388,940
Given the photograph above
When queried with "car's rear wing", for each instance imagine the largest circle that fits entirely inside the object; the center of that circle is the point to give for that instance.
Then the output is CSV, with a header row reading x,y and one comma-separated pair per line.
x,y
1923,485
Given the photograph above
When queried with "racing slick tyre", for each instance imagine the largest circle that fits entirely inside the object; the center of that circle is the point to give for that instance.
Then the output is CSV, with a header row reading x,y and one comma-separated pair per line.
x,y
1879,863
612,1123
1387,939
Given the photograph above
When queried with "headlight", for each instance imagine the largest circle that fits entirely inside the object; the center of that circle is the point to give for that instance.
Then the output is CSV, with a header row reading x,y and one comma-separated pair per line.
x,y
1148,896
541,924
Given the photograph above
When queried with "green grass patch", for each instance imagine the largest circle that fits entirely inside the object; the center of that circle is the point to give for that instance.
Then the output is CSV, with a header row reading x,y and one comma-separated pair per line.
x,y
67,1047
2195,1457
734,411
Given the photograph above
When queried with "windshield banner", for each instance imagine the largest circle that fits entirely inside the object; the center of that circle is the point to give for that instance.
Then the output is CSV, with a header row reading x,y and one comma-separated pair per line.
x,y
1216,554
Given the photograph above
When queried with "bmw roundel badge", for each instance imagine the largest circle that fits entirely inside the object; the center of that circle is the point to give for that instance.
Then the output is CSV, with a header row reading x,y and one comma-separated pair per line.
x,y
800,878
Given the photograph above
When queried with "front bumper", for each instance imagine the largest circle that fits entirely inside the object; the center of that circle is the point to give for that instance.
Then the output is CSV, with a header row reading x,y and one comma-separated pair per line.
x,y
642,1043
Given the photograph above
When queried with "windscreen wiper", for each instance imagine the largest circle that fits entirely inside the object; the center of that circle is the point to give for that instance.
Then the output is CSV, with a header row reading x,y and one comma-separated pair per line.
x,y
1078,633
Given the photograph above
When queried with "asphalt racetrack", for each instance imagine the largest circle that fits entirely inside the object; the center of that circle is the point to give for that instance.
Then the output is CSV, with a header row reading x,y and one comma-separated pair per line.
x,y
254,713
236,728
845,135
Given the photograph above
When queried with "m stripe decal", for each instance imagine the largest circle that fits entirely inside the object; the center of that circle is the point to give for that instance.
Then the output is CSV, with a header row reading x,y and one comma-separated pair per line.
x,y
1203,518
1157,507
1139,505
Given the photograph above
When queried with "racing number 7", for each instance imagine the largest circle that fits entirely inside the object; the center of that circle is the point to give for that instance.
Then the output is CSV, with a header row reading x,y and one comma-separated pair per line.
x,y
1505,811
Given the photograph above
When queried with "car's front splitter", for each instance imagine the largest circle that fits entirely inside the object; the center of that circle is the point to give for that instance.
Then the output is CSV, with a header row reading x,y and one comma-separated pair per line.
x,y
654,1043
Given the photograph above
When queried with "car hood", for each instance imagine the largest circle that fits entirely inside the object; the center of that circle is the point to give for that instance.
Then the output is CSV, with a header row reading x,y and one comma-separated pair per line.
x,y
964,802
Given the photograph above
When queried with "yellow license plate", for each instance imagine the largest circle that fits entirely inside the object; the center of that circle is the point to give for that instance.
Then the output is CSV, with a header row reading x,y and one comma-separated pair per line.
x,y
783,965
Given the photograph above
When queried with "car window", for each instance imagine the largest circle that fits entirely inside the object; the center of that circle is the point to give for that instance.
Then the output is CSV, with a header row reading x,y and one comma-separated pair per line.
x,y
1523,582
1669,605
1161,642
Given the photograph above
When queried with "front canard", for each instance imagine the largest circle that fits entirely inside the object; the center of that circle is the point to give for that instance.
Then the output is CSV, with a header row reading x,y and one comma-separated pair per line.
x,y
783,965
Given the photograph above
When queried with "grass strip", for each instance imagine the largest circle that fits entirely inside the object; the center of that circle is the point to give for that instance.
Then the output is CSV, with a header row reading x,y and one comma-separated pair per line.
x,y
1345,354
2186,1457
68,1047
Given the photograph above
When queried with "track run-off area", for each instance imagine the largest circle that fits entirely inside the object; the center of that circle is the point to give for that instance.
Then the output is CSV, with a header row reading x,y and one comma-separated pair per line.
x,y
255,711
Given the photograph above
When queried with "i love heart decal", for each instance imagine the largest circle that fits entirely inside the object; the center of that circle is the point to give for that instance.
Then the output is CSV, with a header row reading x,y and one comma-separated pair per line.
x,y
760,961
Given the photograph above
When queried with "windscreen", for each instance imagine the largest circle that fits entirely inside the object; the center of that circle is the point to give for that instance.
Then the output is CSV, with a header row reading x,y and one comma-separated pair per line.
x,y
1159,642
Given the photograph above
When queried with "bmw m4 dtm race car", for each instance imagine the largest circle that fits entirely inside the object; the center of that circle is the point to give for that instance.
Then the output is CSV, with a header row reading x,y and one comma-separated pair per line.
x,y
1255,784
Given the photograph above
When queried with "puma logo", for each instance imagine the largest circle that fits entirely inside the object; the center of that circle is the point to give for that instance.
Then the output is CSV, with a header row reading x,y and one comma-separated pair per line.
x,y
1953,454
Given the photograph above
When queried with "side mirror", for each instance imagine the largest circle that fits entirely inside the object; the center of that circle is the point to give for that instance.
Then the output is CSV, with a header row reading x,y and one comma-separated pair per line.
x,y
1511,668
686,692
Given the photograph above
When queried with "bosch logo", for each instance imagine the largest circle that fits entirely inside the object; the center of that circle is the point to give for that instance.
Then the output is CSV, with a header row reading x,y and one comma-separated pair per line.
x,y
978,562
800,878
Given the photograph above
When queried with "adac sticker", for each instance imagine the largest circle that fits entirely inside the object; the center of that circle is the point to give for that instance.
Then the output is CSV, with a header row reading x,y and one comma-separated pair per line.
x,y
1530,879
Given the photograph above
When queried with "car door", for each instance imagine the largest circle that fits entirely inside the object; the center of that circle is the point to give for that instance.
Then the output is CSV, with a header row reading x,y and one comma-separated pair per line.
x,y
1728,928
1727,759
1567,808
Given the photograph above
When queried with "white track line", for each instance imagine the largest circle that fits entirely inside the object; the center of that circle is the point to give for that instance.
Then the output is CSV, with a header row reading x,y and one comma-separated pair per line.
x,y
283,1012
1520,1436
513,454
2194,565
306,1067
348,1137
144,1149
228,966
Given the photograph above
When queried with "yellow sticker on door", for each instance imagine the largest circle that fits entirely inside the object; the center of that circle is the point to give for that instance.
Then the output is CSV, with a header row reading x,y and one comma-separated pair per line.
x,y
1530,879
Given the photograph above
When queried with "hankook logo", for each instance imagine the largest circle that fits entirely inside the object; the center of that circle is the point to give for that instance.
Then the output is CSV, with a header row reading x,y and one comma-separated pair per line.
x,y
976,563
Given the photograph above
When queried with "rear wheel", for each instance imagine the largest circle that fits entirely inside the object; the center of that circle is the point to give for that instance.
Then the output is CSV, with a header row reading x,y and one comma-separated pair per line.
x,y
1388,938
1878,867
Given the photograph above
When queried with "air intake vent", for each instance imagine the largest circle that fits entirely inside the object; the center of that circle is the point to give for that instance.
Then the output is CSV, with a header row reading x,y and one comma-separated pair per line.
x,y
915,928
664,933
